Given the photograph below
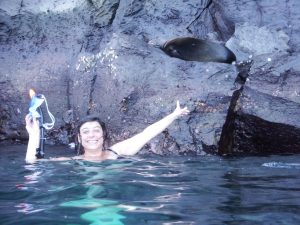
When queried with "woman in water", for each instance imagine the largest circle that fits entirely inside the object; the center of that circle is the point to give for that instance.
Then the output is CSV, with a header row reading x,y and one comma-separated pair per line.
x,y
91,135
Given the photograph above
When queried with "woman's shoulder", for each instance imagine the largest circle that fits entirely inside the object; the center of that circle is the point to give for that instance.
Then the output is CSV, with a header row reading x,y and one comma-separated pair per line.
x,y
111,154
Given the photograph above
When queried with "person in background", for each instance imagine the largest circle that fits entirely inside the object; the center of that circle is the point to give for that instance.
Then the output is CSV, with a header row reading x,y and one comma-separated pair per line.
x,y
92,136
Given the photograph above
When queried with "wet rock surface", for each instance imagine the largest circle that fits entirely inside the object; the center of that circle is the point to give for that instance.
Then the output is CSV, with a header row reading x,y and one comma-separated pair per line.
x,y
92,57
259,123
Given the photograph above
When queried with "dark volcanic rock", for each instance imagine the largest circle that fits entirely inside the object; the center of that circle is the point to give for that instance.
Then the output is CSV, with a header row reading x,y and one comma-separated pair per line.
x,y
100,57
260,124
271,83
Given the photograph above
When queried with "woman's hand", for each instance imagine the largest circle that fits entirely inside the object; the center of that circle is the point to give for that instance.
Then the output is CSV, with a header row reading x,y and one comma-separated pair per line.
x,y
180,111
32,125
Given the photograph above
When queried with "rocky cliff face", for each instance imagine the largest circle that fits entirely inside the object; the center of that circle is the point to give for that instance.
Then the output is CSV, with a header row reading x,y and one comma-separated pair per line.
x,y
89,56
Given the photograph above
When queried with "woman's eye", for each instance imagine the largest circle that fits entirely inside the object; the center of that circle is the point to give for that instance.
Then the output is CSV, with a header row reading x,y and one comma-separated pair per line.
x,y
85,132
97,130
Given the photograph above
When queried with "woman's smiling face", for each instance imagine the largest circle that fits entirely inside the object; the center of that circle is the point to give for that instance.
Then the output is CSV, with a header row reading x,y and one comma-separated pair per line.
x,y
91,136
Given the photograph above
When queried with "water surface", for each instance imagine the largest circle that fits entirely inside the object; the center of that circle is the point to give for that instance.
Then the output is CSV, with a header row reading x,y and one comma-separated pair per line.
x,y
149,190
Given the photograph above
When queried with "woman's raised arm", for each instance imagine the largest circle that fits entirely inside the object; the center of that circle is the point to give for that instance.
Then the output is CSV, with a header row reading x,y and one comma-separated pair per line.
x,y
132,145
33,129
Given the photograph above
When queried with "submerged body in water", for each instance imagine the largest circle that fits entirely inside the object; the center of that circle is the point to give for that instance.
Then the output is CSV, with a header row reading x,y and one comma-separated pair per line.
x,y
153,190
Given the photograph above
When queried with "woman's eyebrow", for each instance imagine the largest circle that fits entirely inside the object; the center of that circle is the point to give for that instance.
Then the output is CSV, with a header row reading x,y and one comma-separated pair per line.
x,y
86,128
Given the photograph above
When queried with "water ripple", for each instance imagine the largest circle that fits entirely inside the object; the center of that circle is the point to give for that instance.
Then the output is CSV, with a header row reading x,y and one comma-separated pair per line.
x,y
282,165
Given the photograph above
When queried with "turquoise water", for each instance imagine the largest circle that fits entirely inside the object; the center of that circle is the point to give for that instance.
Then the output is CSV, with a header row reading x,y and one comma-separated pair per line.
x,y
149,190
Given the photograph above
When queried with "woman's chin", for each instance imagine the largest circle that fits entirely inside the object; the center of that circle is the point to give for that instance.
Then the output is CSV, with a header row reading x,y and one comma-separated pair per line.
x,y
92,148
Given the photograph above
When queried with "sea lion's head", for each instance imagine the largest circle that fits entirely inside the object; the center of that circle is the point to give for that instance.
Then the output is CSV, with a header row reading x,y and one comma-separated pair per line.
x,y
171,49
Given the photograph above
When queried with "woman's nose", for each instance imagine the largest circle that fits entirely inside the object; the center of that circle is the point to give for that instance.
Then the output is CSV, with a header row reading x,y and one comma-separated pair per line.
x,y
91,134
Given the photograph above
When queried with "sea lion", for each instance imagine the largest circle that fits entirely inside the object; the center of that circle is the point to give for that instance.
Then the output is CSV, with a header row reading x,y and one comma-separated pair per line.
x,y
193,49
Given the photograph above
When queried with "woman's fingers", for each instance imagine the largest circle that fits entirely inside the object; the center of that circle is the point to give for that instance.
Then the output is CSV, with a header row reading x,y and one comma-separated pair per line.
x,y
185,111
29,120
181,111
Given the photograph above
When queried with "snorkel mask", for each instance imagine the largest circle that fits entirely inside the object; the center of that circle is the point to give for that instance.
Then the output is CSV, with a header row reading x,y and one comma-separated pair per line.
x,y
36,101
35,111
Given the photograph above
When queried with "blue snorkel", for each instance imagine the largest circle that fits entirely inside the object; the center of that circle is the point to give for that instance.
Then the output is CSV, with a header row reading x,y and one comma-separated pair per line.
x,y
35,111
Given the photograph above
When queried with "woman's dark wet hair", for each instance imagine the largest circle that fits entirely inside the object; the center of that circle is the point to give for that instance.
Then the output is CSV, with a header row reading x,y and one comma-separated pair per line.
x,y
91,118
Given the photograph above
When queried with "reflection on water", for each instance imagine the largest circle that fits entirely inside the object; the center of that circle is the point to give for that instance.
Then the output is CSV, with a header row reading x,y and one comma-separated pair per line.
x,y
27,208
164,190
282,165
29,179
102,211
